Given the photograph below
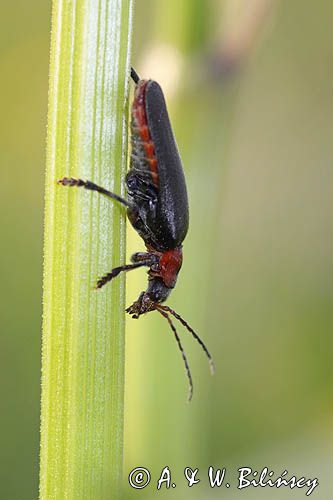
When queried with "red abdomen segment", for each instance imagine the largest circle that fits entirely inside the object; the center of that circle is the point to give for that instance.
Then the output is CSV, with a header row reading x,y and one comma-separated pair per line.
x,y
170,263
140,128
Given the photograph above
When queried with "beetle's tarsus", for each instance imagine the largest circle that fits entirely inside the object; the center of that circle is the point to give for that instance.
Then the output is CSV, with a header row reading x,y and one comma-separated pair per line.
x,y
117,270
70,181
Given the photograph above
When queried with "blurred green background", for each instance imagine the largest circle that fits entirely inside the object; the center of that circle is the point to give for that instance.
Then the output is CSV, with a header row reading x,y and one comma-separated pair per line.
x,y
249,87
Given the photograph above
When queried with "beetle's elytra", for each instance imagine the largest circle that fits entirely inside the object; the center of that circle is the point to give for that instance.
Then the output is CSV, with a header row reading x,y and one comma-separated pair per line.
x,y
156,203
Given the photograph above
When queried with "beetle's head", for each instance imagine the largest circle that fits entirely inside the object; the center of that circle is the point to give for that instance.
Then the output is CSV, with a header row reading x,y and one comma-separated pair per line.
x,y
156,293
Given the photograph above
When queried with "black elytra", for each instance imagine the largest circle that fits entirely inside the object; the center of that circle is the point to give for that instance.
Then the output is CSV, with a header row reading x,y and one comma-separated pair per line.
x,y
157,206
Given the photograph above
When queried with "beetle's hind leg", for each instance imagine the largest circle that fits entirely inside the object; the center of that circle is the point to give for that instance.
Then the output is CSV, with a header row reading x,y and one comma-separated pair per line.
x,y
91,186
117,270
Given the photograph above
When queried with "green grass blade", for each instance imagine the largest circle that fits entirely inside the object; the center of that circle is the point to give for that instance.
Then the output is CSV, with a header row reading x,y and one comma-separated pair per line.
x,y
83,330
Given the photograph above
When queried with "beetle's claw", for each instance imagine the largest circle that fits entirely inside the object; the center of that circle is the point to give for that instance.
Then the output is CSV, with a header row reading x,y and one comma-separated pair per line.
x,y
70,181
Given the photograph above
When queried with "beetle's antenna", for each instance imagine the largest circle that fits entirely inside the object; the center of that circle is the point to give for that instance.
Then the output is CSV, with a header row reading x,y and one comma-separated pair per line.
x,y
195,335
188,371
135,77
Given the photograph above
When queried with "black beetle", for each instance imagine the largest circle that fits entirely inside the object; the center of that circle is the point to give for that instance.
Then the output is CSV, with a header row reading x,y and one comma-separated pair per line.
x,y
157,206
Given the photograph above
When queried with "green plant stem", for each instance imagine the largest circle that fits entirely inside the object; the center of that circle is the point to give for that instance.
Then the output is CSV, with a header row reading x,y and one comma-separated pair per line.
x,y
83,330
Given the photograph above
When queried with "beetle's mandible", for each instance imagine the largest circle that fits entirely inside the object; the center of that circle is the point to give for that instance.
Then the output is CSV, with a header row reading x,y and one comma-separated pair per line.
x,y
157,206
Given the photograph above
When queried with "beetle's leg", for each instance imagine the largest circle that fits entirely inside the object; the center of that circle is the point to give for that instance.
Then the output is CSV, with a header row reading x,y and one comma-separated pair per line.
x,y
135,77
117,270
139,187
69,181
135,308
146,256
139,256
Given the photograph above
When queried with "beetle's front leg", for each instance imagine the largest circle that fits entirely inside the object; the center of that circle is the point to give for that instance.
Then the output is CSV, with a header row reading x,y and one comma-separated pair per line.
x,y
117,270
146,256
